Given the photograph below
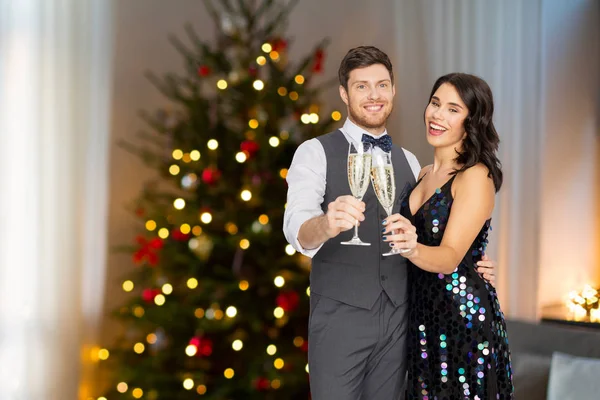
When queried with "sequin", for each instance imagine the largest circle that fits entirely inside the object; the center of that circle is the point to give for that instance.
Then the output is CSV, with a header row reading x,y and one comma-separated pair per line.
x,y
457,339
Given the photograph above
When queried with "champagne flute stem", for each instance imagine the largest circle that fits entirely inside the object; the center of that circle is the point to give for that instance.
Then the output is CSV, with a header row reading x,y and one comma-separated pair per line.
x,y
389,212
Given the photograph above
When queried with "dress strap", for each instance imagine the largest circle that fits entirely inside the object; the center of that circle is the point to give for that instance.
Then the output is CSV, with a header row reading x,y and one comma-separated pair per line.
x,y
421,178
448,182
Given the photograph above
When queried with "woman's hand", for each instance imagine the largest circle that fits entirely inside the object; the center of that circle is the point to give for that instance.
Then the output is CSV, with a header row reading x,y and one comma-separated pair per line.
x,y
487,269
400,233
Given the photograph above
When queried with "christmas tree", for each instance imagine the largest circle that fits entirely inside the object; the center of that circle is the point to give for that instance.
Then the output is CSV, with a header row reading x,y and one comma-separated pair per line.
x,y
218,302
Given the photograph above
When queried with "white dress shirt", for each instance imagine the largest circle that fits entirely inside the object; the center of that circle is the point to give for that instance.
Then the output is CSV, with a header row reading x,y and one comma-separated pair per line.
x,y
306,180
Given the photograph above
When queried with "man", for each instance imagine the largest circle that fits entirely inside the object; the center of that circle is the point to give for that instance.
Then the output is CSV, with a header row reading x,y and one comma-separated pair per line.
x,y
358,316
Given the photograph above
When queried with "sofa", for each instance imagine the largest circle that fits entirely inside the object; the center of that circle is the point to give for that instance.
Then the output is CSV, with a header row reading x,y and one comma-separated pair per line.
x,y
532,347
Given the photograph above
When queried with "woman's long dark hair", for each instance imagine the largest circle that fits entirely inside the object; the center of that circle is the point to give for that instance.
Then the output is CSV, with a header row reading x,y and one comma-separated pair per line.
x,y
481,143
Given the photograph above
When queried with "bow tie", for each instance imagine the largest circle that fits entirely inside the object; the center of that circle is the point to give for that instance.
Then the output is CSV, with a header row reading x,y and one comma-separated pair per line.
x,y
384,142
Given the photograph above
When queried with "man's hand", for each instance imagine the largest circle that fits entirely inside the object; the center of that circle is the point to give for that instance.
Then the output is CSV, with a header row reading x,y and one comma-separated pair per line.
x,y
487,269
400,233
342,214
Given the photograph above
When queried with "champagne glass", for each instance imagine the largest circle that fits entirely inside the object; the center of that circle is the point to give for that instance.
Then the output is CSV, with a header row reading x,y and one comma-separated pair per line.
x,y
384,184
359,167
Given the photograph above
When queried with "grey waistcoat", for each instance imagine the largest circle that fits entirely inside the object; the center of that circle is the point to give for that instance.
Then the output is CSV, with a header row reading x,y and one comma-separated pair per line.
x,y
356,275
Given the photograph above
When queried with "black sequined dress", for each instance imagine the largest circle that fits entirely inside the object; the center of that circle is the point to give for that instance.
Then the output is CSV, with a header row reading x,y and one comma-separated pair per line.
x,y
457,342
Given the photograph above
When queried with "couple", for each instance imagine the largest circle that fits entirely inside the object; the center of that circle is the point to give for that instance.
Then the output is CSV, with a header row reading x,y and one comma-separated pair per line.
x,y
428,312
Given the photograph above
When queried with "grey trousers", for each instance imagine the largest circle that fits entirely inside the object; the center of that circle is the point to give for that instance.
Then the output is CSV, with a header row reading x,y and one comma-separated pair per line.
x,y
354,353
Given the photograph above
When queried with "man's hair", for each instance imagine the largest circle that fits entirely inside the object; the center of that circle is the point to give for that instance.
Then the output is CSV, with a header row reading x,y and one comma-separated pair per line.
x,y
361,57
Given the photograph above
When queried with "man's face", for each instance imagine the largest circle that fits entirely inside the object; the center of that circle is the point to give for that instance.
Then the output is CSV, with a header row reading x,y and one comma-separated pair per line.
x,y
369,97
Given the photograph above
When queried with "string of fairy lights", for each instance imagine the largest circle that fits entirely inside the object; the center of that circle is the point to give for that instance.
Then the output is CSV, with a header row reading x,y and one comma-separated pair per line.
x,y
584,304
215,312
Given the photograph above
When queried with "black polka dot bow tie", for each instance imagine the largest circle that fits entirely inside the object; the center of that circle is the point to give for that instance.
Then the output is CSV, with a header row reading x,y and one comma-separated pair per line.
x,y
384,142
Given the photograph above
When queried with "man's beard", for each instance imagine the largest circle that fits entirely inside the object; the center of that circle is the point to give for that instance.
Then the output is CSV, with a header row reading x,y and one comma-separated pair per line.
x,y
369,123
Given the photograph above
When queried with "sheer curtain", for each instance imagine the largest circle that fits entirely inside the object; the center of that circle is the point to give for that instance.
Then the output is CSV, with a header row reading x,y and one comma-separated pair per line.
x,y
498,41
55,68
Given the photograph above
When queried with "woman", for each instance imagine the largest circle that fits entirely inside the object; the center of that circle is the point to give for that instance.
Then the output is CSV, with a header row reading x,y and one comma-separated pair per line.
x,y
457,341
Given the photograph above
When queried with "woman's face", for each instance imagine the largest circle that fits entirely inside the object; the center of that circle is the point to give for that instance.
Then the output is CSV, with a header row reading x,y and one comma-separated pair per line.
x,y
444,118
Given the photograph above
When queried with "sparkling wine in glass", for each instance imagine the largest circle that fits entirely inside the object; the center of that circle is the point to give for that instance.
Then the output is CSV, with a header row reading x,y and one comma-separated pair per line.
x,y
384,184
359,167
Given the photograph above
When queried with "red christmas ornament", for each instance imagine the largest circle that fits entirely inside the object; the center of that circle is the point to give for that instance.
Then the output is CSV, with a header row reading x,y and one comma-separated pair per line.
x,y
204,70
148,250
261,383
252,71
139,212
203,345
279,44
156,243
210,175
176,234
318,61
206,348
148,295
250,147
288,300
304,346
